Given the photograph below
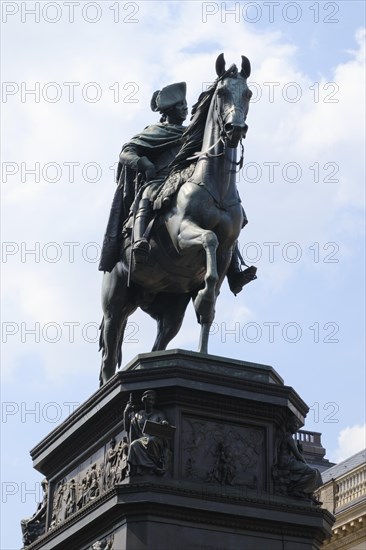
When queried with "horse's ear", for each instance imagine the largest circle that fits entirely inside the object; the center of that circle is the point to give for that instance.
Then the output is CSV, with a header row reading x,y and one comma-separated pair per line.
x,y
220,65
245,66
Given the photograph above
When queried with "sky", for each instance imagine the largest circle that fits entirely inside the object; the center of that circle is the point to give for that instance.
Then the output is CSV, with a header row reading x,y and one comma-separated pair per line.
x,y
77,78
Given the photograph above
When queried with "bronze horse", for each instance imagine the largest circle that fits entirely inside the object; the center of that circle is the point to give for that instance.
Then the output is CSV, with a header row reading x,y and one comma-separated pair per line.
x,y
192,241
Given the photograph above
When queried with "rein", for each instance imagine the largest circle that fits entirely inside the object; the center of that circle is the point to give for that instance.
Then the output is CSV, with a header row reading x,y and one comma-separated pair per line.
x,y
200,154
221,120
204,153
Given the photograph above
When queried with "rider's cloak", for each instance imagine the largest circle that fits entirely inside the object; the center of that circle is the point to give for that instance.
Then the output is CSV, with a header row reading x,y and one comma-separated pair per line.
x,y
159,143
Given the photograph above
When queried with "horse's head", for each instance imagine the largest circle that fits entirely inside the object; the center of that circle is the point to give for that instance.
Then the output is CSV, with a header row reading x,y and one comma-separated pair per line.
x,y
232,98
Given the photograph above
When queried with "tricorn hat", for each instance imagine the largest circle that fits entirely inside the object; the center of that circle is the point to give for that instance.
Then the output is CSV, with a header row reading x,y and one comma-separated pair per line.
x,y
164,99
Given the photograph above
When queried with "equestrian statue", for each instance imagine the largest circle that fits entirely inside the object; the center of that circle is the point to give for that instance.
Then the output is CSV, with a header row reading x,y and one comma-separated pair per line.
x,y
176,214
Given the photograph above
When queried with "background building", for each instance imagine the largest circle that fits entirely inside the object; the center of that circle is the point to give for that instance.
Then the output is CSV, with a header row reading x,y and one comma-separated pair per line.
x,y
313,449
344,495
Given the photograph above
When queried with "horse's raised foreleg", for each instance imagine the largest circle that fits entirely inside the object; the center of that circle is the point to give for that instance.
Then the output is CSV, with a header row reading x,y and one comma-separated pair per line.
x,y
116,310
223,261
191,235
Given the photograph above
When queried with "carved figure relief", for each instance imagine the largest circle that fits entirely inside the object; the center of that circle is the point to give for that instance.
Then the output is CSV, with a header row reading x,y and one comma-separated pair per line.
x,y
104,544
224,470
71,500
72,493
291,474
58,502
214,452
89,486
146,449
35,526
121,463
110,465
149,433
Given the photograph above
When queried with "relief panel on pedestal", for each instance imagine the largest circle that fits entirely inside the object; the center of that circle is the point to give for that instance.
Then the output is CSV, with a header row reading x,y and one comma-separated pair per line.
x,y
221,453
89,480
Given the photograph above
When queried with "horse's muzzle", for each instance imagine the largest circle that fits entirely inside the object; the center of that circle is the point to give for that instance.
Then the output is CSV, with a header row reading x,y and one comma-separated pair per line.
x,y
234,133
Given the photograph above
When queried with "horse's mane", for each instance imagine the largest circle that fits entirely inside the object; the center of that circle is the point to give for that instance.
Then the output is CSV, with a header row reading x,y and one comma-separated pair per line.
x,y
193,135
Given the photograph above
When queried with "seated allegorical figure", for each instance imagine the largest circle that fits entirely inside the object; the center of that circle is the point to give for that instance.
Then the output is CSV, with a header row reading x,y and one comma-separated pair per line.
x,y
292,474
147,453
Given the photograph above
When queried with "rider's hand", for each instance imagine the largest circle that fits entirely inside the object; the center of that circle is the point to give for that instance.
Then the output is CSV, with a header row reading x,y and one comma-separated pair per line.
x,y
145,166
129,407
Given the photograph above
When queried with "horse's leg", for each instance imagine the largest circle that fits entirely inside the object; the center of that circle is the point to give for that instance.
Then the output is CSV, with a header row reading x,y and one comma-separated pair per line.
x,y
169,316
191,235
204,334
224,254
223,262
116,309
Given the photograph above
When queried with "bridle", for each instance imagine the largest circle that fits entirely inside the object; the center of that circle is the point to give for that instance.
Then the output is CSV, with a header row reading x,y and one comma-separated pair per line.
x,y
221,118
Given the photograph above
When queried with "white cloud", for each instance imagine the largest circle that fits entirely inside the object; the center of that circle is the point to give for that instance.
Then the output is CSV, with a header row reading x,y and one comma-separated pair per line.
x,y
279,131
170,43
351,440
302,132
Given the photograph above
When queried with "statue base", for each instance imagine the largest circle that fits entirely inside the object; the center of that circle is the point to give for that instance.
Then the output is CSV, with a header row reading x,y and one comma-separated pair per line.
x,y
216,490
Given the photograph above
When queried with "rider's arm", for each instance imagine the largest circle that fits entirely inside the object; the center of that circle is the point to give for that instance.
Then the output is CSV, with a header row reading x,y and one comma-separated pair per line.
x,y
133,157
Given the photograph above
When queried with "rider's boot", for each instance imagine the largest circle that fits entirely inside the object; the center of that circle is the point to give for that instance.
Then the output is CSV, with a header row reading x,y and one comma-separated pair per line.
x,y
235,276
141,245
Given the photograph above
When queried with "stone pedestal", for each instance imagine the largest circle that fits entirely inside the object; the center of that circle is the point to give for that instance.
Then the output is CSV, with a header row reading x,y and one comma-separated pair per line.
x,y
216,491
